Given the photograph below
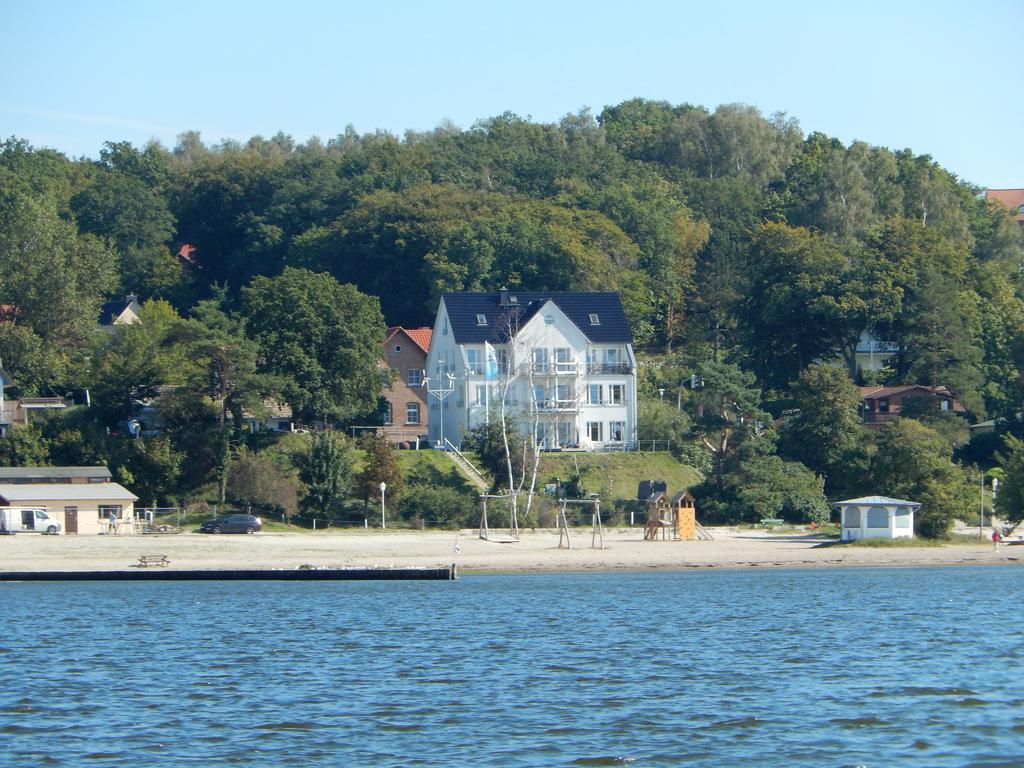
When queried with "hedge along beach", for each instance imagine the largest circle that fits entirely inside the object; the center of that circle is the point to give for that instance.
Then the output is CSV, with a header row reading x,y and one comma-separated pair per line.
x,y
534,552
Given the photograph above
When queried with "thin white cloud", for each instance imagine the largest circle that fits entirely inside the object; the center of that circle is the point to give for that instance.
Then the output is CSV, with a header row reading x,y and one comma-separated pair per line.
x,y
111,121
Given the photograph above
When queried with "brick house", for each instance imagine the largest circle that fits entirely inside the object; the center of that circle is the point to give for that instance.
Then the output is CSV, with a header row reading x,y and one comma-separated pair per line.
x,y
405,407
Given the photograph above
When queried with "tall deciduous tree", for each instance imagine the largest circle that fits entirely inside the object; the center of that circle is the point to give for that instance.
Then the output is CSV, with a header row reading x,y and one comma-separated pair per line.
x,y
802,303
322,337
913,462
52,279
826,427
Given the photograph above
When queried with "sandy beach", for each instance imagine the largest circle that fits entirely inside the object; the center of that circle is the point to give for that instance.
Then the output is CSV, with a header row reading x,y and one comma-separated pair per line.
x,y
535,551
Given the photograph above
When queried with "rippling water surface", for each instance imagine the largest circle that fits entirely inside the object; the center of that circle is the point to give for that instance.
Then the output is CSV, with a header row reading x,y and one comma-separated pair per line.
x,y
909,667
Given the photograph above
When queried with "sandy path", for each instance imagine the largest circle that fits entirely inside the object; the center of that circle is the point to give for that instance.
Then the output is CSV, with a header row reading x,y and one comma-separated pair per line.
x,y
536,551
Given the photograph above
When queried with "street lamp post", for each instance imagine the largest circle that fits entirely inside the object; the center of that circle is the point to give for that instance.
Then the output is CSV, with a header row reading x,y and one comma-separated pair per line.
x,y
383,487
440,394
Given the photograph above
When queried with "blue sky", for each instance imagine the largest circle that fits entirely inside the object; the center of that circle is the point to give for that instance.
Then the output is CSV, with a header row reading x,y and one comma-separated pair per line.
x,y
942,78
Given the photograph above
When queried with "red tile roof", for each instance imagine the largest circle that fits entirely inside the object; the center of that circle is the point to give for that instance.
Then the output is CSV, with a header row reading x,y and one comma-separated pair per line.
x,y
1011,198
419,336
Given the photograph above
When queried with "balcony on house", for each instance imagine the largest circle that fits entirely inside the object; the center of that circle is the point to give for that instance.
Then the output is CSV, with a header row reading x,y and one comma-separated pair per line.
x,y
595,368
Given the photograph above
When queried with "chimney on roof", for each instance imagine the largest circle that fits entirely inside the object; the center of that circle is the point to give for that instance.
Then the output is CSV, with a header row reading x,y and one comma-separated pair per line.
x,y
131,297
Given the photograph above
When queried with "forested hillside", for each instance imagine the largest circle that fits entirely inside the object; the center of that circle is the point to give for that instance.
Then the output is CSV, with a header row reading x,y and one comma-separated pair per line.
x,y
747,254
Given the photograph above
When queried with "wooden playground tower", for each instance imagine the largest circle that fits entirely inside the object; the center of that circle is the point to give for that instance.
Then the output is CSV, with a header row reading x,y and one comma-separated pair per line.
x,y
675,519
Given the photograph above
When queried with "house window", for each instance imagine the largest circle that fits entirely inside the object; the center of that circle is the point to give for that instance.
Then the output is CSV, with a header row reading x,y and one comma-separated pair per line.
x,y
414,377
481,319
564,433
538,396
481,394
540,360
475,361
616,430
412,413
563,395
387,412
902,519
594,319
853,517
595,394
616,393
878,517
883,406
398,347
595,431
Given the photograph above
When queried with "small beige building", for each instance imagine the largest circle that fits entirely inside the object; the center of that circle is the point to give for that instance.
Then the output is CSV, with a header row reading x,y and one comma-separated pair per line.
x,y
78,507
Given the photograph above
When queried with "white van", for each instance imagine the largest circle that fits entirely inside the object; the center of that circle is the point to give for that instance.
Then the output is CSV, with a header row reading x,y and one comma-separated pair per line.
x,y
27,520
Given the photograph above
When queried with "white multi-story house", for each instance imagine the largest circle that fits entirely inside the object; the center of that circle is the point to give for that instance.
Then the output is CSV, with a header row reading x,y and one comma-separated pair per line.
x,y
561,363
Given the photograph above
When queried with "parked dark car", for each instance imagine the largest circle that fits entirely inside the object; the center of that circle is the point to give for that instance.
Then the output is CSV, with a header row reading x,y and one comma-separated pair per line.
x,y
232,524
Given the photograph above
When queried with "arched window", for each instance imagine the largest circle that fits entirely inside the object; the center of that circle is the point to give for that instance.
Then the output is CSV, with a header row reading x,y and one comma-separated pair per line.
x,y
878,517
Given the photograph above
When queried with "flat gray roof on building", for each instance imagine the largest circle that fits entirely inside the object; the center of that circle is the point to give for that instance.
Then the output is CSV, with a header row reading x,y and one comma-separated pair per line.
x,y
46,473
35,492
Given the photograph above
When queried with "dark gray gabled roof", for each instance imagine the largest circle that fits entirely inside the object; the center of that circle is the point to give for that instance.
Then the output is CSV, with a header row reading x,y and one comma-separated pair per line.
x,y
112,310
50,473
463,308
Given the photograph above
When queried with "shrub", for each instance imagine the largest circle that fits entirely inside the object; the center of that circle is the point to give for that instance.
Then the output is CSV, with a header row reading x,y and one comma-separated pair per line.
x,y
439,506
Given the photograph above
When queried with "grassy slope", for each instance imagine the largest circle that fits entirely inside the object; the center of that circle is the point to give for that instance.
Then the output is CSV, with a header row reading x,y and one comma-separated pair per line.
x,y
616,475
612,475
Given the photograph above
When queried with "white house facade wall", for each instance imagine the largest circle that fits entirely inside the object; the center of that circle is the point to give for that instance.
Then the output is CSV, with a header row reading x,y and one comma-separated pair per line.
x,y
569,392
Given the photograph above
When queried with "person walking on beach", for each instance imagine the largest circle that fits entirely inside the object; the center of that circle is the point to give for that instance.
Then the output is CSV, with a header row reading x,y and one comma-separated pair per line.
x,y
996,538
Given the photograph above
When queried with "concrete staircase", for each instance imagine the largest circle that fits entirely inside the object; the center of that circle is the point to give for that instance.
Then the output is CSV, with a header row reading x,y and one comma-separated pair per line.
x,y
466,467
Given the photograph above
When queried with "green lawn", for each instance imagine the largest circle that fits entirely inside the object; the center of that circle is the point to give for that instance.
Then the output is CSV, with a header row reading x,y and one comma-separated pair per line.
x,y
616,475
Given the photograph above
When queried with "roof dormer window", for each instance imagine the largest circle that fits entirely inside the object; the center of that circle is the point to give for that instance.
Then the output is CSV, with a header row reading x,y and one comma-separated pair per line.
x,y
594,319
481,319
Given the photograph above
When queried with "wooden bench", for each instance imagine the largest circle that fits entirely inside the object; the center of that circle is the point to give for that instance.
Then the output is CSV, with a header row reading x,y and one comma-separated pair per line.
x,y
147,560
772,522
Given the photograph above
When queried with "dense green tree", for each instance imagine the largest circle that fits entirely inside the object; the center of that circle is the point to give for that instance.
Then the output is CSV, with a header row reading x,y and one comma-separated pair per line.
x,y
136,360
1010,500
261,484
52,279
154,466
767,486
802,304
223,363
136,220
24,447
728,411
439,506
913,462
826,426
380,466
488,442
326,469
323,338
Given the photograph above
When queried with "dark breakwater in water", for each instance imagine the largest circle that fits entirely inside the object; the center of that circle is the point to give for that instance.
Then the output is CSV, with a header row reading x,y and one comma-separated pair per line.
x,y
919,667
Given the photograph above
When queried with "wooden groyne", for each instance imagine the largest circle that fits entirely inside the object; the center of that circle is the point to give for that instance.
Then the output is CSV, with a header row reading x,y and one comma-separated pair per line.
x,y
298,574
